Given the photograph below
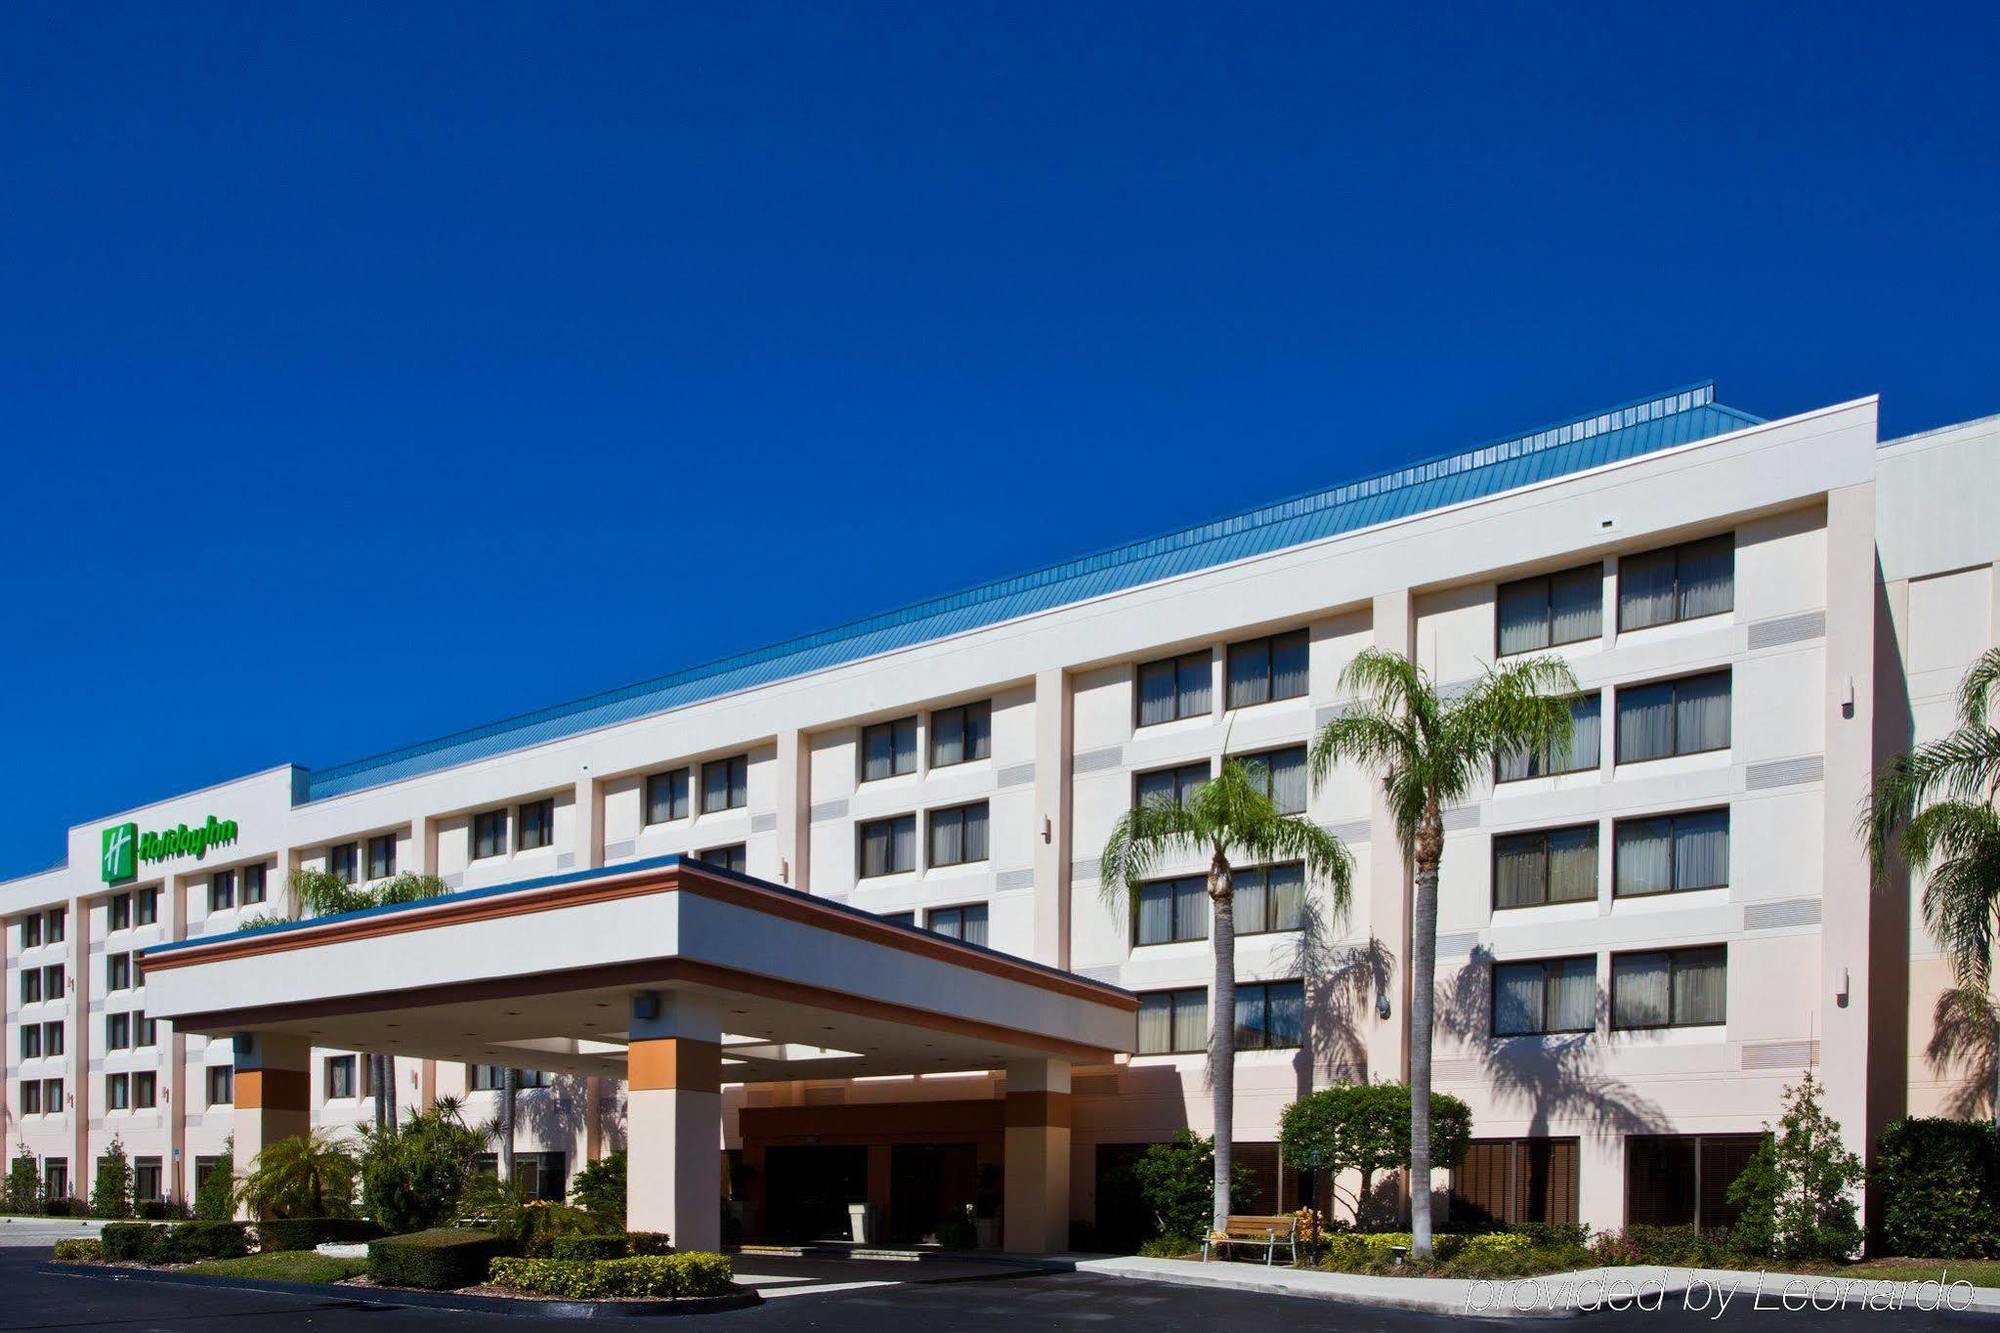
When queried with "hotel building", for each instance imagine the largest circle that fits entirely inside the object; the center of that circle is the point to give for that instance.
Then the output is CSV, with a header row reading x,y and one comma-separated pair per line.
x,y
822,924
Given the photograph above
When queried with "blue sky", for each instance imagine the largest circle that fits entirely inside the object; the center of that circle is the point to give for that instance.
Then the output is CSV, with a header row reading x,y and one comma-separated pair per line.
x,y
372,371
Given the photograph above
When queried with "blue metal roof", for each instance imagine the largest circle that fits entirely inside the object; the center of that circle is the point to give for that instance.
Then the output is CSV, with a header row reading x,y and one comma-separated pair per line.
x,y
1627,431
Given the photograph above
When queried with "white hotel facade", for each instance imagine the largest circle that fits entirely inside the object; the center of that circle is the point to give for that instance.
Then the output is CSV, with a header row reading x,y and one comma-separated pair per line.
x,y
901,984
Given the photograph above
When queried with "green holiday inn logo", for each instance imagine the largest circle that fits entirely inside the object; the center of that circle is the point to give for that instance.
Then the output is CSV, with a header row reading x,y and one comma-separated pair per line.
x,y
125,848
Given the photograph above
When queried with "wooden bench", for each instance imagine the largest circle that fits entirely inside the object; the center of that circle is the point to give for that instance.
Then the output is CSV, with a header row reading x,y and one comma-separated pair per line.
x,y
1266,1232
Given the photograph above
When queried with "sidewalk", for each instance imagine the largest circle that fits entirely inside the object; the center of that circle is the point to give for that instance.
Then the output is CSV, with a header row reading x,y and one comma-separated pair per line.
x,y
1558,1294
45,1230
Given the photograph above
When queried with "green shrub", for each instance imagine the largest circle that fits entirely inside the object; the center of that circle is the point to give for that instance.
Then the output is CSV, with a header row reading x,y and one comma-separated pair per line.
x,y
649,1242
306,1176
305,1233
1365,1127
537,1226
414,1174
1681,1247
439,1260
129,1242
689,1275
1940,1187
587,1249
80,1250
62,1206
215,1196
1168,1247
24,1184
1177,1181
191,1242
600,1186
160,1210
111,1193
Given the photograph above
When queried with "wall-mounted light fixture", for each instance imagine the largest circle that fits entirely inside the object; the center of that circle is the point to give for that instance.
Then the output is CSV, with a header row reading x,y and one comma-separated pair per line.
x,y
1048,829
1840,996
1382,1004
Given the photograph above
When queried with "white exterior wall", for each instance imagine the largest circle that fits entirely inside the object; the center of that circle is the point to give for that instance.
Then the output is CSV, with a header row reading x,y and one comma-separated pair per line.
x,y
1770,485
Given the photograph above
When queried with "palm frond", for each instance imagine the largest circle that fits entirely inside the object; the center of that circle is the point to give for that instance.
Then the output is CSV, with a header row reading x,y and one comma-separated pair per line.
x,y
1523,706
1958,843
1975,692
1142,837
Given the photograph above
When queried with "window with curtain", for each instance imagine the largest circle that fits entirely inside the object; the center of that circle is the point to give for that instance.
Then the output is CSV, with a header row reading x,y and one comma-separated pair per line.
x,y
1270,1015
725,784
888,846
340,1080
121,911
1173,1022
118,971
1267,669
1174,687
146,903
1673,988
117,1032
1670,717
255,879
344,861
222,890
1505,1182
1269,898
1171,909
117,1097
1584,752
958,835
667,796
1544,996
1173,785
221,1085
1671,853
1545,866
489,834
1550,609
1281,774
536,825
889,749
966,923
1682,582
961,735
736,857
382,856
900,918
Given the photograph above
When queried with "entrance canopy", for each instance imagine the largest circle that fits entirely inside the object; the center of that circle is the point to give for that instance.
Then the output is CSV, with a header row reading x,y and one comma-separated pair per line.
x,y
546,973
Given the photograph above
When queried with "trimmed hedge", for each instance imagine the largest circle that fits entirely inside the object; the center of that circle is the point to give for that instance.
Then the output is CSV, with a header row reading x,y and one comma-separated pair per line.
x,y
649,1242
305,1233
685,1276
128,1242
181,1243
588,1248
80,1250
62,1208
1375,1246
439,1260
1940,1188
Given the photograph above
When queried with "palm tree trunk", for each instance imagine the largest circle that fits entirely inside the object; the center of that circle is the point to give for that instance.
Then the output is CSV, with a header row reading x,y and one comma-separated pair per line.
x,y
385,1093
1423,991
510,1083
382,1090
1222,1031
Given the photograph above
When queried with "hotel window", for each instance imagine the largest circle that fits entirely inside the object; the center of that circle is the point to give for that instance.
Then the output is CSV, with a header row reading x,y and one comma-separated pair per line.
x,y
31,1041
667,796
1677,988
255,879
1680,583
960,735
146,907
1280,775
1557,865
888,846
1172,785
54,982
382,856
960,923
889,749
493,1078
1270,1016
1171,909
118,1031
1549,995
1670,717
58,922
117,1092
31,930
204,1167
221,890
146,1180
1173,688
1262,671
31,1097
55,1176
1683,1179
958,835
1584,752
343,860
1551,610
340,1077
536,827
31,985
900,918
1173,1022
725,784
489,834
145,1089
121,912
1507,1182
118,971
1671,853
1269,898
221,1085
734,857
52,1038
52,1096
145,1031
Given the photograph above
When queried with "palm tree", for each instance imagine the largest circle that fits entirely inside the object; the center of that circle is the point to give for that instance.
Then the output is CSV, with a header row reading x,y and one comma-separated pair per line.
x,y
1231,813
1938,803
1432,749
510,1088
306,1176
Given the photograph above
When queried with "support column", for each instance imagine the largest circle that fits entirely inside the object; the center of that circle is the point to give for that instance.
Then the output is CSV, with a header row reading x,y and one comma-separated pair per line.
x,y
1036,1203
674,1119
273,1091
424,847
795,810
1388,887
1054,732
180,1171
588,811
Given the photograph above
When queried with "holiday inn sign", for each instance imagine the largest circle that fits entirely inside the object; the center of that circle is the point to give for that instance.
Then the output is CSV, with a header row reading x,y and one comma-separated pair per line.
x,y
125,847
